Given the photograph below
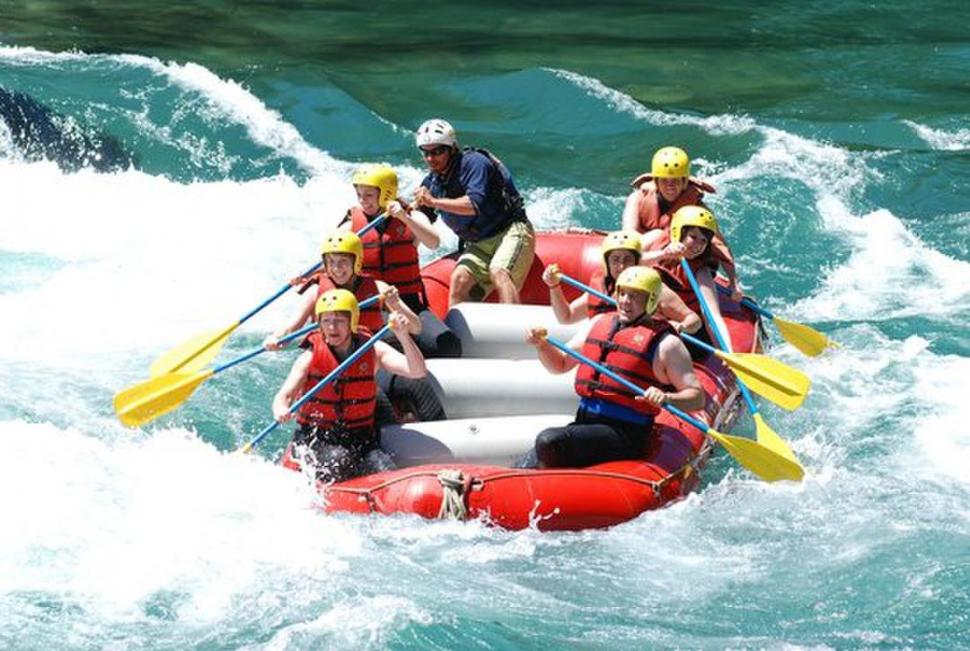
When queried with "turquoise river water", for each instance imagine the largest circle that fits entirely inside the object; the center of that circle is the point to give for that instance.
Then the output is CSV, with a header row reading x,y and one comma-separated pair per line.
x,y
184,160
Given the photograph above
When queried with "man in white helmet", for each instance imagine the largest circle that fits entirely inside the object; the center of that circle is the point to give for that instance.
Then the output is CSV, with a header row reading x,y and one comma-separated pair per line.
x,y
476,197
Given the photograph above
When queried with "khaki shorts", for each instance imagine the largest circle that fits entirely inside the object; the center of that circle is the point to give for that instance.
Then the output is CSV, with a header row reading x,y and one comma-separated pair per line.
x,y
512,249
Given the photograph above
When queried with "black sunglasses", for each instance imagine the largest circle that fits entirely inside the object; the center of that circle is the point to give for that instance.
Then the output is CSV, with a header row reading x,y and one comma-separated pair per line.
x,y
437,151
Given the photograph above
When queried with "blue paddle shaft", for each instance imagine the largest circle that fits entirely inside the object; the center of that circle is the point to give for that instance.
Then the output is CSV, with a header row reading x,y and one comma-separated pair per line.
x,y
371,226
285,340
285,288
622,380
586,288
717,331
331,376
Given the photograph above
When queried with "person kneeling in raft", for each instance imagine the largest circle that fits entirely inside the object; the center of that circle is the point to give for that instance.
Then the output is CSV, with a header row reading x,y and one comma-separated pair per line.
x,y
391,250
659,194
612,422
343,259
692,234
337,435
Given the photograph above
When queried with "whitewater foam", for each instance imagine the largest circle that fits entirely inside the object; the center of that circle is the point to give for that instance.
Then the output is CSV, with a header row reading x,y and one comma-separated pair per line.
x,y
940,139
111,526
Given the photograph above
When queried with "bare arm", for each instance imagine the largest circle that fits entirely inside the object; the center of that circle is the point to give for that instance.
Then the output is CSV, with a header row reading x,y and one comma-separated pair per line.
x,y
565,312
554,360
708,291
726,258
410,363
306,310
631,212
422,228
459,206
672,365
290,391
392,299
673,308
673,251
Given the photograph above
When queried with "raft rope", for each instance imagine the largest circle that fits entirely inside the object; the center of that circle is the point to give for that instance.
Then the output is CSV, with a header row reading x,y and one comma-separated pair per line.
x,y
453,487
456,486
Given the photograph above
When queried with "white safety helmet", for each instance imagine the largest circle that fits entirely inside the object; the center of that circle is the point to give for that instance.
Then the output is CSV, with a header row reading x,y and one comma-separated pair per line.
x,y
436,132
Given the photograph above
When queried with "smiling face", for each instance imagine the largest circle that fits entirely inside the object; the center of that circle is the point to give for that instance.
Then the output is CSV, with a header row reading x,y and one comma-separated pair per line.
x,y
670,188
695,240
436,157
340,267
369,199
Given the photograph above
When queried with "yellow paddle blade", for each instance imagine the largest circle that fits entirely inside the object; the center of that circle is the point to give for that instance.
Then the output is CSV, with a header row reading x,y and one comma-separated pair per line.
x,y
805,338
783,385
192,355
769,439
148,400
765,463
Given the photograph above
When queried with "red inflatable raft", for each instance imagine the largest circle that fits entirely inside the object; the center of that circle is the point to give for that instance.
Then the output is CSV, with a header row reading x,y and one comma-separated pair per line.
x,y
557,499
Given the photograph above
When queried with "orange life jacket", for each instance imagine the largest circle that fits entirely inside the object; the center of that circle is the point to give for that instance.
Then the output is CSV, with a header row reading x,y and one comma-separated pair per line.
x,y
348,402
673,276
390,253
652,218
627,351
594,304
648,209
371,316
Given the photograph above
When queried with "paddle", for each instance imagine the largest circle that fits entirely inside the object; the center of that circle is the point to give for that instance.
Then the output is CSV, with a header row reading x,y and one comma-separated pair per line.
x,y
776,381
146,401
331,376
196,353
763,434
808,340
764,462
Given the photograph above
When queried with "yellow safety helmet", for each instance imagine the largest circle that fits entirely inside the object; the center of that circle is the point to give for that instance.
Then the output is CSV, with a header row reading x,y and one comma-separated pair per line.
x,y
339,300
642,279
620,240
670,163
345,242
380,176
692,216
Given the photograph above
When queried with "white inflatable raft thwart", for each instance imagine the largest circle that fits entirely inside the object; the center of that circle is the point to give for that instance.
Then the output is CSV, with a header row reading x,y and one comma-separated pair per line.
x,y
486,440
494,330
508,387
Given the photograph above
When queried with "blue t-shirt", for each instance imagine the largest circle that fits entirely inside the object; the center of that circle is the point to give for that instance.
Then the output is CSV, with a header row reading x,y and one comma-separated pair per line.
x,y
490,188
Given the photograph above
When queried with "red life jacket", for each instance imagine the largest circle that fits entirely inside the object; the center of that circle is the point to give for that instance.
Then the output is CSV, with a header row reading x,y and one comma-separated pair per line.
x,y
348,402
391,256
594,304
673,276
627,351
371,317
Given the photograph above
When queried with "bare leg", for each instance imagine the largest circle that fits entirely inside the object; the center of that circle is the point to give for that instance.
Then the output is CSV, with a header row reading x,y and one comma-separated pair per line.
x,y
507,293
462,282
